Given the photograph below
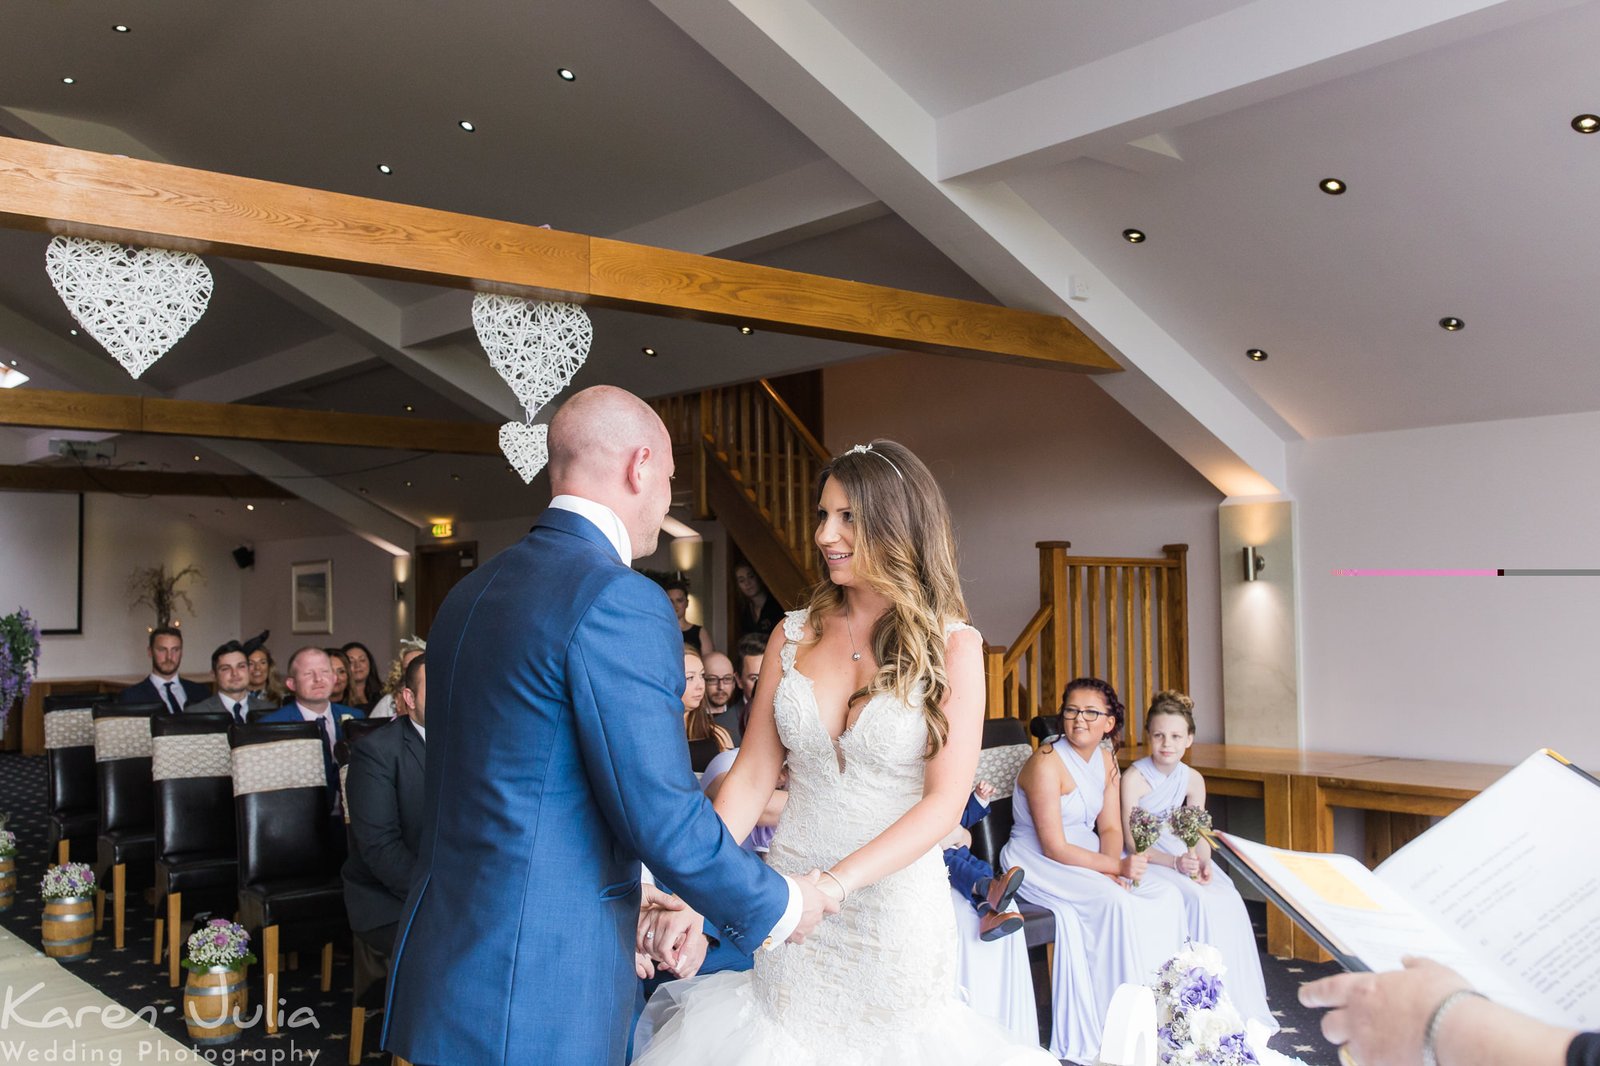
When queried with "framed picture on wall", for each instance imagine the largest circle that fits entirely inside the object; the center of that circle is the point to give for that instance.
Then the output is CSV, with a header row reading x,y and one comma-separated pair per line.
x,y
311,596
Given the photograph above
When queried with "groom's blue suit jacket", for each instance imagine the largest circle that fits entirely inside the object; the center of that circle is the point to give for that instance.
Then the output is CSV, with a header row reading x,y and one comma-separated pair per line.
x,y
556,762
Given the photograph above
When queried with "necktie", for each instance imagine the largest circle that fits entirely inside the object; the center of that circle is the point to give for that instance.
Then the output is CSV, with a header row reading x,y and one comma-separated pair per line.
x,y
172,699
327,759
238,713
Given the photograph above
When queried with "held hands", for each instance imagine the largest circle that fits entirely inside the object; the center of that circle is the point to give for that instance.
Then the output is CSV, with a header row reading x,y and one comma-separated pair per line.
x,y
818,899
1381,1016
669,933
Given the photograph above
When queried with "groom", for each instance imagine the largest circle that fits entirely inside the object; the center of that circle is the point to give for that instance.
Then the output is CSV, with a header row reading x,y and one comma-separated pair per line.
x,y
556,762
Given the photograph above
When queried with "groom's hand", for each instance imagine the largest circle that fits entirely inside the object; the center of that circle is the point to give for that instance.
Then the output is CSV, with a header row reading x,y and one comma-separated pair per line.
x,y
668,929
815,905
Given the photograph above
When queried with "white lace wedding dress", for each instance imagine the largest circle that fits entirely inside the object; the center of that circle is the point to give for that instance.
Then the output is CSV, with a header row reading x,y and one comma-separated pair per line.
x,y
872,984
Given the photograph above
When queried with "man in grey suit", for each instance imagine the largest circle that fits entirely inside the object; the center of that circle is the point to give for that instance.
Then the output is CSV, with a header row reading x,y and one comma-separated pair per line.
x,y
384,791
230,673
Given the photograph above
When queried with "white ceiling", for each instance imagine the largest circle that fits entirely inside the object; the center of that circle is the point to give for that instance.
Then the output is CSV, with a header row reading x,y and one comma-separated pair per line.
x,y
982,151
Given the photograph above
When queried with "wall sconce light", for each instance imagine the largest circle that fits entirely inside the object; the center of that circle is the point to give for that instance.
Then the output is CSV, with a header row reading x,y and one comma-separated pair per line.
x,y
1254,563
399,592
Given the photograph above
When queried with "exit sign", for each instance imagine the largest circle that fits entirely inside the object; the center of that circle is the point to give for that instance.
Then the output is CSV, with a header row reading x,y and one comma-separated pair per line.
x,y
443,529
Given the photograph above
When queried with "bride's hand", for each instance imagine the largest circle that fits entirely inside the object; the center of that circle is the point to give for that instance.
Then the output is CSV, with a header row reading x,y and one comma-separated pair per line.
x,y
665,932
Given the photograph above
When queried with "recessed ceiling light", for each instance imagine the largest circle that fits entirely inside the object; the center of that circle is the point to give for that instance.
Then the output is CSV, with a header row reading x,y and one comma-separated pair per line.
x,y
385,168
120,28
409,408
69,81
1332,186
565,75
363,491
1451,324
455,477
197,458
73,332
746,330
1256,355
1587,123
464,124
13,362
651,352
1133,236
408,484
249,507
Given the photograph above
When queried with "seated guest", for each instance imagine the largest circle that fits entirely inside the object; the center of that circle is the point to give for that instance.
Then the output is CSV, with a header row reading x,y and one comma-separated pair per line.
x,y
310,681
230,675
759,611
341,676
365,688
1159,783
384,788
264,681
722,686
410,648
992,969
760,837
164,686
706,738
751,650
1113,924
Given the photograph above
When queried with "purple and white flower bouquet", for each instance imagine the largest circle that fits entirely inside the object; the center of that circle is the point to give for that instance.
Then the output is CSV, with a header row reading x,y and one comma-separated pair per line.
x,y
219,944
19,658
74,880
1196,1023
8,843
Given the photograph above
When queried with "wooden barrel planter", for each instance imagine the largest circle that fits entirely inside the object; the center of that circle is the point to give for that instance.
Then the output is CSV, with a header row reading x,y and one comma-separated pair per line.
x,y
8,883
211,1002
67,932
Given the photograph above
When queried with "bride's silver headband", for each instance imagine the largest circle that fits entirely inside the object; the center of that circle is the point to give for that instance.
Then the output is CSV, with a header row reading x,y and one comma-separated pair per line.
x,y
866,449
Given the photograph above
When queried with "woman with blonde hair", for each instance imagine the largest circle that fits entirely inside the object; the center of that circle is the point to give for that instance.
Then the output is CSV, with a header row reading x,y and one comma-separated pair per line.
x,y
873,697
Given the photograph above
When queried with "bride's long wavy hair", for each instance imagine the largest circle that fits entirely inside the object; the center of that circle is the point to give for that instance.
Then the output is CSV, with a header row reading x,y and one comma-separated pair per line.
x,y
904,550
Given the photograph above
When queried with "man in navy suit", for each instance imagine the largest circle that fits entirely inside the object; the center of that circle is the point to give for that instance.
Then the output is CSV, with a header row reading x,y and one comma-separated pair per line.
x,y
309,679
164,686
556,762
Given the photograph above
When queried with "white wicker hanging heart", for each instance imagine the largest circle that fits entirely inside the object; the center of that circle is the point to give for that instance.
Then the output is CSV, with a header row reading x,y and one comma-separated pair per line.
x,y
137,302
525,447
536,346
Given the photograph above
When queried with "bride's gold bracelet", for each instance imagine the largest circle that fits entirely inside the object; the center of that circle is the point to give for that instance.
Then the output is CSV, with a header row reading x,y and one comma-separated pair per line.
x,y
844,893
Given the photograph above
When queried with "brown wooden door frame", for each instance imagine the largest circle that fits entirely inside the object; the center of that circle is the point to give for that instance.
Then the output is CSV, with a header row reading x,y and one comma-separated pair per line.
x,y
432,559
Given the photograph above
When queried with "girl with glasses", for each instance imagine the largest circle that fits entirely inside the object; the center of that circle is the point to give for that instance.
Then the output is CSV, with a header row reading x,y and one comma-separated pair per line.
x,y
1114,924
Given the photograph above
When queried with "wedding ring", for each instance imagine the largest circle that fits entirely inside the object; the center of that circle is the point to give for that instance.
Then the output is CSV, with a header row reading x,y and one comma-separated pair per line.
x,y
650,934
1347,1059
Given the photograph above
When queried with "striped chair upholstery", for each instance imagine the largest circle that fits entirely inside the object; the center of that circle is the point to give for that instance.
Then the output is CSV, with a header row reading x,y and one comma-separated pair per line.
x,y
126,845
74,801
197,863
289,886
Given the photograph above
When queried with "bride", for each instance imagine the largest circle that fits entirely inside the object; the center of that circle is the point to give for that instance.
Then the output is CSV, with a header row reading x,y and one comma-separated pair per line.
x,y
876,705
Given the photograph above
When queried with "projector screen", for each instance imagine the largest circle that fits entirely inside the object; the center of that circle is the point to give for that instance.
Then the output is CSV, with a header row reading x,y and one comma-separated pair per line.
x,y
41,558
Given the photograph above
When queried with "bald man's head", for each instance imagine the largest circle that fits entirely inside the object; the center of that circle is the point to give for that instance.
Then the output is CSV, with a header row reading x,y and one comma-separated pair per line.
x,y
607,445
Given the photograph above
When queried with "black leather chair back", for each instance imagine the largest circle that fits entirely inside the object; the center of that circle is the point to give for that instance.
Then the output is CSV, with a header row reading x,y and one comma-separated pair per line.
x,y
354,729
1005,749
122,766
280,802
701,752
192,772
69,754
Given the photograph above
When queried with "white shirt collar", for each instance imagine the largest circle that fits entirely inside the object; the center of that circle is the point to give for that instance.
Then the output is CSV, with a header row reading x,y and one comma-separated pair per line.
x,y
604,519
419,728
309,715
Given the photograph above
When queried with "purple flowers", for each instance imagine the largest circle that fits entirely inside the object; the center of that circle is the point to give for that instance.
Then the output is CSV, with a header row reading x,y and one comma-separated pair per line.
x,y
218,944
72,881
19,658
1200,990
1197,1025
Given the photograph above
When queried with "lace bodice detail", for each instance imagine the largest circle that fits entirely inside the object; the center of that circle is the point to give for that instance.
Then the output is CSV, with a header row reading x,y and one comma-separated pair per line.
x,y
890,954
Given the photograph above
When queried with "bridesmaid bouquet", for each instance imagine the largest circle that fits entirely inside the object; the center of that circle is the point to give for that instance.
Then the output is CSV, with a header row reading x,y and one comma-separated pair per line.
x,y
1145,829
1196,1023
1189,824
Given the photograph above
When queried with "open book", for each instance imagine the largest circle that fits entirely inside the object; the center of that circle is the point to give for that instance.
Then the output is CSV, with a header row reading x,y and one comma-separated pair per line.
x,y
1506,891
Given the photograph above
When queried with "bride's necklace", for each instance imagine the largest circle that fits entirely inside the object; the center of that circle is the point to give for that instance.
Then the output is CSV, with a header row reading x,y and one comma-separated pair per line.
x,y
855,656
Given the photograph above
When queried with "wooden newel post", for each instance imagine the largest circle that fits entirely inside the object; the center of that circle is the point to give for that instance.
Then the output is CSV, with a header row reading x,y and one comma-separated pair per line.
x,y
994,682
1176,638
1053,584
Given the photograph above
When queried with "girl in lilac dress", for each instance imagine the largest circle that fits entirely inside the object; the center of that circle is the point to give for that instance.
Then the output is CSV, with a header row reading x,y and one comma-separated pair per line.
x,y
1159,783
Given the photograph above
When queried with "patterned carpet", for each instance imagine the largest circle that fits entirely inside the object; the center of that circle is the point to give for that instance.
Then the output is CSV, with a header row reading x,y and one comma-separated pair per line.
x,y
130,978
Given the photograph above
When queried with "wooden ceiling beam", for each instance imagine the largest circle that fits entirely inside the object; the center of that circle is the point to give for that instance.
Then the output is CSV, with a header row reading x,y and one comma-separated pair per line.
x,y
41,408
138,482
87,194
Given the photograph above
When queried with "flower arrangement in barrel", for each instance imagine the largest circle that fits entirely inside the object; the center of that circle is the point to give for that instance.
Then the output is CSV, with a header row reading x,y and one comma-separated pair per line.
x,y
19,658
1196,1023
73,880
219,944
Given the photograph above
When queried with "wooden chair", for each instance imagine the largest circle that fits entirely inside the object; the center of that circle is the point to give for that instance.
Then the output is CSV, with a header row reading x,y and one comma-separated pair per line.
x,y
197,860
74,803
289,886
126,845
